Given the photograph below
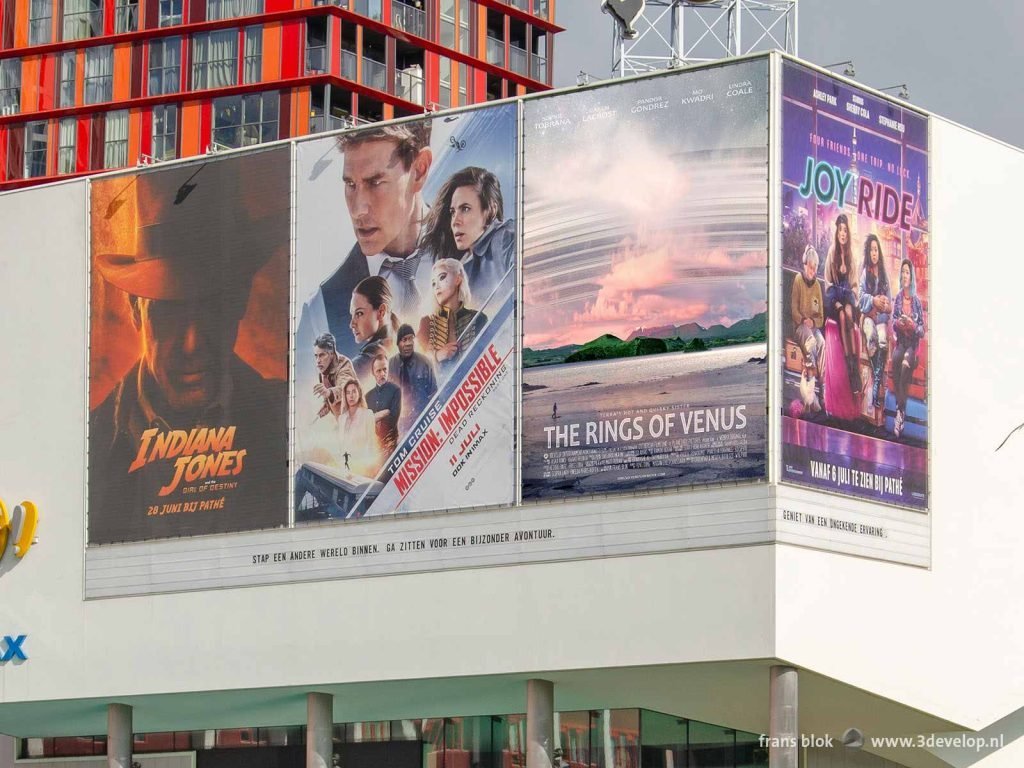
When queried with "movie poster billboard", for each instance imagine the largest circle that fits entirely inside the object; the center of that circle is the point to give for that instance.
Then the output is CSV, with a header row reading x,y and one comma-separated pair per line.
x,y
404,365
644,272
855,291
188,423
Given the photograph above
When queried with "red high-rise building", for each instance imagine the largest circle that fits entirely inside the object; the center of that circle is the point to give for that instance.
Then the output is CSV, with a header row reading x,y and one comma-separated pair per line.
x,y
90,85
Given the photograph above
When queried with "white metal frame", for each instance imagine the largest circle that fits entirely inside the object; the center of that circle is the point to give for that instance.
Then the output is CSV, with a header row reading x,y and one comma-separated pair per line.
x,y
676,33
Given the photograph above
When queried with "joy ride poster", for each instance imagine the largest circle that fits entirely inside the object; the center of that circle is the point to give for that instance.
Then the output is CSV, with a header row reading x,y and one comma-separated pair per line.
x,y
188,349
855,291
404,364
645,284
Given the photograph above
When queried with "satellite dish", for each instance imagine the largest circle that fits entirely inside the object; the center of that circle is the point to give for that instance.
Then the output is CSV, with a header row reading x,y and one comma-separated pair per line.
x,y
625,12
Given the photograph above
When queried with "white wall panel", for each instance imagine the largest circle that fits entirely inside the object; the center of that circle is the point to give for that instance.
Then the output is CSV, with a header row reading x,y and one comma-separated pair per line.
x,y
948,639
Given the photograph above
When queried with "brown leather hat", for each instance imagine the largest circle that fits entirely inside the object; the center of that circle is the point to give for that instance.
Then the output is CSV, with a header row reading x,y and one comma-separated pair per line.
x,y
195,230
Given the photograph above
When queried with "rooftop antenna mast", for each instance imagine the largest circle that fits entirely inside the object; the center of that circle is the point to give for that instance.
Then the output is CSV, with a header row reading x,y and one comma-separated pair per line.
x,y
664,34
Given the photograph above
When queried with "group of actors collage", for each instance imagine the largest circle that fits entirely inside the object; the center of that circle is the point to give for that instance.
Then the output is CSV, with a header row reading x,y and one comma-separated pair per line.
x,y
397,313
864,328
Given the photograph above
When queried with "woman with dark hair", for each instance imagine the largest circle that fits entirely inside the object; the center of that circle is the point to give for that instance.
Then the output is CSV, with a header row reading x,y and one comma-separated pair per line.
x,y
875,306
451,329
356,430
840,297
373,323
467,223
908,330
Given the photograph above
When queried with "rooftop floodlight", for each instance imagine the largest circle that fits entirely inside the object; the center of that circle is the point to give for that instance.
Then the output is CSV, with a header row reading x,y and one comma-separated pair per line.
x,y
625,13
904,92
849,71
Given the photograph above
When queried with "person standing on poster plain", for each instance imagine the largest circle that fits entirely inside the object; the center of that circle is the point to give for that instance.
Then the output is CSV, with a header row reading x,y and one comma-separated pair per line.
x,y
384,172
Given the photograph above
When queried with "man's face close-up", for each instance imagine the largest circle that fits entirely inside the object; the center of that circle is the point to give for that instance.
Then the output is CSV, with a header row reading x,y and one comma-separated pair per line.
x,y
187,346
381,195
380,371
405,345
323,357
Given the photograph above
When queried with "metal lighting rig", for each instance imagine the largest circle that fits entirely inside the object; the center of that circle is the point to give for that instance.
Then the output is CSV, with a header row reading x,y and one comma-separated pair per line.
x,y
663,34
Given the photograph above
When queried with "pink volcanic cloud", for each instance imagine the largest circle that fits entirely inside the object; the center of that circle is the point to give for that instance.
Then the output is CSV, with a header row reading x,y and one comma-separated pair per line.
x,y
651,283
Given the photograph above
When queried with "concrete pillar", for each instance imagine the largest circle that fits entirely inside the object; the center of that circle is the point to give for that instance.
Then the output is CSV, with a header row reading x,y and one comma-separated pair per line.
x,y
783,723
540,723
119,736
319,730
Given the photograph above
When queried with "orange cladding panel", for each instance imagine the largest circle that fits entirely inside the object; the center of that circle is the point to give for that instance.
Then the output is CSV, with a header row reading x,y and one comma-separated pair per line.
x,y
122,72
300,112
80,76
29,78
134,135
20,22
271,52
191,117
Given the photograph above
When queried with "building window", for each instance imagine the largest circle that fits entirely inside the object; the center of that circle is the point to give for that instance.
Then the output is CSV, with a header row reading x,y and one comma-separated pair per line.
x,y
230,9
445,82
170,13
10,86
35,149
66,96
373,9
448,23
316,45
241,121
126,15
83,18
463,85
99,74
252,64
464,39
40,18
165,66
215,59
115,139
66,145
165,131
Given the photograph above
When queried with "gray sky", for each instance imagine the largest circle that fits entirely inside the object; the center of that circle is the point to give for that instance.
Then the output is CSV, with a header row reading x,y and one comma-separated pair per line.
x,y
962,64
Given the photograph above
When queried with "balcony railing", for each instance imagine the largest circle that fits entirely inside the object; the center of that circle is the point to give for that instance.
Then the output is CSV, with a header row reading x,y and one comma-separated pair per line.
x,y
375,74
408,18
373,9
538,67
495,51
349,64
517,60
409,85
316,59
321,123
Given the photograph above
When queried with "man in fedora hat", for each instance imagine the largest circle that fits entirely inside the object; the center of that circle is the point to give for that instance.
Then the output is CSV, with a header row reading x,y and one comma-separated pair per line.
x,y
192,439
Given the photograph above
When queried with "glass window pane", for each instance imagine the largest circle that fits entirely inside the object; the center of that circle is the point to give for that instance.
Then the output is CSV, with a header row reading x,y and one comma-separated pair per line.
x,y
710,746
664,740
615,738
749,752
